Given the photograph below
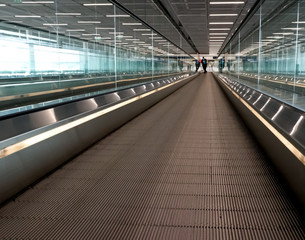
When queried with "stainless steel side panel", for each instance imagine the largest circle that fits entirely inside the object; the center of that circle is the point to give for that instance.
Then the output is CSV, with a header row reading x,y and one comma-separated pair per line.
x,y
282,157
20,169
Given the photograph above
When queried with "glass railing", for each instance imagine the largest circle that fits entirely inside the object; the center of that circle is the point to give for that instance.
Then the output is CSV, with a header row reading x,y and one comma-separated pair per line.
x,y
99,48
268,52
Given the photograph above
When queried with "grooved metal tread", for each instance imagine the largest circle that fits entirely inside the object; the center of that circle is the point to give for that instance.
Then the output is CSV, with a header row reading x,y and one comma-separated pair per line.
x,y
185,169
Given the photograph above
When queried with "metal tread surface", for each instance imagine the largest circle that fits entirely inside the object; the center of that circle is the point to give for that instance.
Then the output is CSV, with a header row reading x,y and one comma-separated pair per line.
x,y
185,169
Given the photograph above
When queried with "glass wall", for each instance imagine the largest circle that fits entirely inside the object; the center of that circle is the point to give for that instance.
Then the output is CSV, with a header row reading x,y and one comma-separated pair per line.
x,y
73,47
268,52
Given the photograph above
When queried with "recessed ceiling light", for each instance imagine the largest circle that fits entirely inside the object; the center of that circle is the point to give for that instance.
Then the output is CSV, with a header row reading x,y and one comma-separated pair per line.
x,y
117,15
55,24
140,30
220,23
75,30
217,37
131,24
226,3
285,33
219,29
116,32
85,22
299,22
216,40
2,5
104,28
68,14
218,34
149,34
37,2
292,28
223,15
27,16
90,34
97,4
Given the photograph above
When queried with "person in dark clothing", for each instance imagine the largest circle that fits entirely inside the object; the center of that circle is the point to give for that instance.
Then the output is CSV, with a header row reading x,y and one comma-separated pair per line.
x,y
204,63
197,64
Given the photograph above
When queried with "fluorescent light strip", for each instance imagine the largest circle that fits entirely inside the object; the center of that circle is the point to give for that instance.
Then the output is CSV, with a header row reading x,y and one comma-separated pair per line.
x,y
75,30
220,23
117,15
37,2
285,33
104,28
90,34
131,24
97,4
219,29
223,3
149,34
2,5
292,28
223,15
218,37
68,14
27,16
140,30
48,134
299,22
218,34
55,24
88,22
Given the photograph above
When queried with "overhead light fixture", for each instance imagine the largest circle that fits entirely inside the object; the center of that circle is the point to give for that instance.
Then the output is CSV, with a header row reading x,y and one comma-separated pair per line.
x,y
219,3
285,33
218,34
134,39
219,29
90,34
224,15
37,2
104,28
161,40
55,24
68,14
117,15
88,22
149,34
27,16
75,30
292,28
97,4
221,23
141,30
299,22
132,24
215,40
116,32
218,37
2,5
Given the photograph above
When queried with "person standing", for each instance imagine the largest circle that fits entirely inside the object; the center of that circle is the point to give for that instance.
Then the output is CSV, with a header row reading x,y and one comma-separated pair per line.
x,y
197,64
204,63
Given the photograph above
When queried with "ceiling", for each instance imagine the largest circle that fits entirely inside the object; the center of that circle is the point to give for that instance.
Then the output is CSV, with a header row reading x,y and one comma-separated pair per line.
x,y
195,26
